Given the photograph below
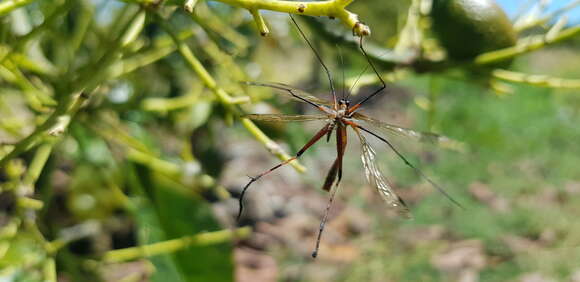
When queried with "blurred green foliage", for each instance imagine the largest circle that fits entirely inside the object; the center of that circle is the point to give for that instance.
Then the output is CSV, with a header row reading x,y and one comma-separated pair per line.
x,y
119,123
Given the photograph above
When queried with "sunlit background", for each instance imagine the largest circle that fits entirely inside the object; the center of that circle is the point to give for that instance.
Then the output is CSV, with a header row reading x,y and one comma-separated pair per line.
x,y
155,155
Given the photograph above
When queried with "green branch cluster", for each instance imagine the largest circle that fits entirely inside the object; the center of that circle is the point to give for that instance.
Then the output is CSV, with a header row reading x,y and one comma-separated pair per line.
x,y
71,118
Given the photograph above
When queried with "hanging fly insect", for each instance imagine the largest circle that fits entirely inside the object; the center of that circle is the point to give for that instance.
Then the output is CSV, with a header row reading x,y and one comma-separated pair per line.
x,y
339,114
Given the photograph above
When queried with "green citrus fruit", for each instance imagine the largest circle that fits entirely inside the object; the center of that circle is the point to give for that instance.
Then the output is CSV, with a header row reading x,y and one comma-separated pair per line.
x,y
467,28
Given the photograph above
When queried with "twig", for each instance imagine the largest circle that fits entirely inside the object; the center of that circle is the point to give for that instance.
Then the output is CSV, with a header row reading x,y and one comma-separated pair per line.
x,y
49,270
138,152
9,5
523,25
525,46
31,176
228,101
212,23
174,245
69,105
329,8
536,80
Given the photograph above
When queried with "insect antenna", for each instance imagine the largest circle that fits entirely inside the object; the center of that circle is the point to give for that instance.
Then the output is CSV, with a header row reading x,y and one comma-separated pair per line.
x,y
356,81
383,84
361,74
319,59
342,69
417,170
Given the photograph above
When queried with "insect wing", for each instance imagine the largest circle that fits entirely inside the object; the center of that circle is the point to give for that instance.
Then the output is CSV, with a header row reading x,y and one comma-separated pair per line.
x,y
424,137
289,90
285,118
376,179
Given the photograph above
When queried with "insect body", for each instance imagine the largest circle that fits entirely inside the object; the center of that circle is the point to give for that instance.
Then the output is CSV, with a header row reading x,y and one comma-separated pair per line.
x,y
339,115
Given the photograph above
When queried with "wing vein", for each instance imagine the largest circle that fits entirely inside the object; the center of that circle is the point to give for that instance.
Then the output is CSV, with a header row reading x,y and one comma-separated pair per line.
x,y
377,180
292,92
424,137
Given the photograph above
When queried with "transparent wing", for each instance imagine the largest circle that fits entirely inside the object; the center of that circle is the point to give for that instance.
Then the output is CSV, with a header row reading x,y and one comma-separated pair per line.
x,y
289,90
425,137
285,118
376,178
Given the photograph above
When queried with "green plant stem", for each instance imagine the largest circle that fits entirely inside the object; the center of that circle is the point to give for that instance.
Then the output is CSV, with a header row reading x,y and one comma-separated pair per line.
x,y
225,61
28,203
35,97
260,22
228,101
330,8
174,245
17,46
139,153
8,5
83,25
525,46
178,174
33,172
210,22
523,26
52,126
49,270
162,47
69,104
164,167
43,68
536,80
165,105
168,104
143,59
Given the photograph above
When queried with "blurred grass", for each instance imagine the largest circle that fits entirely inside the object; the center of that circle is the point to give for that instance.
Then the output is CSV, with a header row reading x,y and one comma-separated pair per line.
x,y
523,148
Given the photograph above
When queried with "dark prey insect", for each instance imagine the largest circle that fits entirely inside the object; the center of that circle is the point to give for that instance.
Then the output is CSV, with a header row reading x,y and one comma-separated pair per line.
x,y
338,115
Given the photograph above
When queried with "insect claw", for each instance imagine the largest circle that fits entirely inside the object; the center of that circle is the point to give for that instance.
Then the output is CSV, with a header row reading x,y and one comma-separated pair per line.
x,y
252,178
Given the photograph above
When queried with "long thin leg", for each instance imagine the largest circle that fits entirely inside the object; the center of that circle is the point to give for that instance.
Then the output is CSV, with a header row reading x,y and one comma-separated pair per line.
x,y
383,84
314,139
320,60
336,169
418,171
323,222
